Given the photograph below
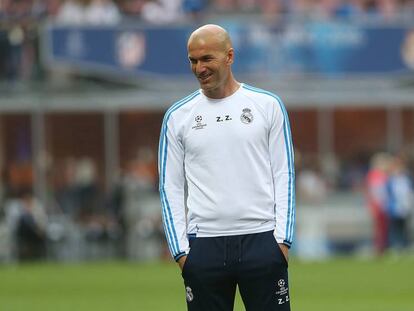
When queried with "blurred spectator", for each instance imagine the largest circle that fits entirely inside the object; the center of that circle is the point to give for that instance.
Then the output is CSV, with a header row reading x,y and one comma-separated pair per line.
x,y
17,16
335,9
52,7
400,203
162,11
271,9
194,8
115,204
330,168
31,229
353,172
388,9
2,191
88,196
102,12
78,193
312,187
376,182
224,6
139,183
19,36
131,7
39,9
71,12
93,12
66,188
144,238
407,9
301,9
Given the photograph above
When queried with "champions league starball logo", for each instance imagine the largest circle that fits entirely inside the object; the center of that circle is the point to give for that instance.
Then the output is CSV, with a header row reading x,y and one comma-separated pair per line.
x,y
282,292
281,288
247,116
199,125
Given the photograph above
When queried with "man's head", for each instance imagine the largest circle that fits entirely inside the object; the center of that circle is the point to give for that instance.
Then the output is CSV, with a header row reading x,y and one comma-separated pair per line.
x,y
211,55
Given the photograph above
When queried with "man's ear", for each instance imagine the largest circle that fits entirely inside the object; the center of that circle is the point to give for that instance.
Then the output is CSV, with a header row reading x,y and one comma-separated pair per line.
x,y
230,56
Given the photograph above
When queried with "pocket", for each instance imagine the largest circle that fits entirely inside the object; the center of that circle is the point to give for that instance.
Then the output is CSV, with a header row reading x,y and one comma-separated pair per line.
x,y
185,264
189,255
282,255
279,251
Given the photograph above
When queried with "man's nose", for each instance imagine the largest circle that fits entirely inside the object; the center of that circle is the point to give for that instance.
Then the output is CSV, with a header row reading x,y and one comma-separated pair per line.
x,y
200,67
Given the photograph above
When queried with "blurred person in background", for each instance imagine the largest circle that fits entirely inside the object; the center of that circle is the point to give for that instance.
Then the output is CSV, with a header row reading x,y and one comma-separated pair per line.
x,y
3,39
31,229
17,40
88,192
66,188
88,12
140,213
407,9
131,8
353,172
388,9
102,12
71,12
271,10
77,191
162,11
400,203
331,9
301,9
224,6
194,8
2,191
226,158
312,186
376,192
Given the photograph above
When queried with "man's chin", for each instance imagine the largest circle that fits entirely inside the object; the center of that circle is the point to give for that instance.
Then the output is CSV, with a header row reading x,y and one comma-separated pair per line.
x,y
207,86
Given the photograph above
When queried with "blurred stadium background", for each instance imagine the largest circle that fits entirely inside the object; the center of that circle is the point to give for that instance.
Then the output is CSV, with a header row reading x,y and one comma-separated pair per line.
x,y
84,85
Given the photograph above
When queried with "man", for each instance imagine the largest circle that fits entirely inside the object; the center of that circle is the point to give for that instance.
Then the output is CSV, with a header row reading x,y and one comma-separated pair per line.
x,y
226,156
376,192
400,201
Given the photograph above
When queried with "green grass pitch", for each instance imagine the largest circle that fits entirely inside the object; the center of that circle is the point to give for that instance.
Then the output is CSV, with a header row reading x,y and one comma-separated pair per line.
x,y
339,285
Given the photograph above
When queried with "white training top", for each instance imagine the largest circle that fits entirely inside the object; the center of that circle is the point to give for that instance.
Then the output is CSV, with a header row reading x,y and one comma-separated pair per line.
x,y
236,156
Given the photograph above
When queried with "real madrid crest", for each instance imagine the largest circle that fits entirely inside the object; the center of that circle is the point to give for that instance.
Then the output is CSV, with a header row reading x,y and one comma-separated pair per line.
x,y
247,116
189,294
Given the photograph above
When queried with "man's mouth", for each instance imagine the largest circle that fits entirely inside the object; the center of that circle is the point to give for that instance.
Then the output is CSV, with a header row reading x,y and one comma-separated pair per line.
x,y
204,77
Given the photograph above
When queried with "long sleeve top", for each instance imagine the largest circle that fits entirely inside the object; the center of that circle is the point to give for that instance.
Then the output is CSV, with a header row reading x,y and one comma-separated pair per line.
x,y
226,167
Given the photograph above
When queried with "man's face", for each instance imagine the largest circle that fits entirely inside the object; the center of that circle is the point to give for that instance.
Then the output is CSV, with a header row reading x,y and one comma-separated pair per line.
x,y
210,63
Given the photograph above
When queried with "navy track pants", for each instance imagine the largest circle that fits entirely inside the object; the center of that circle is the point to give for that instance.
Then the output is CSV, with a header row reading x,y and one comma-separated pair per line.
x,y
215,266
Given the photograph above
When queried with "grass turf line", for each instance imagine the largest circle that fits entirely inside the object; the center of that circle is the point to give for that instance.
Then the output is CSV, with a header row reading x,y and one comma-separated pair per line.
x,y
340,284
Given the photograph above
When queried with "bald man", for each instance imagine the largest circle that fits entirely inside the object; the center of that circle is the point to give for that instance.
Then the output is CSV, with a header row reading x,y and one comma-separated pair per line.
x,y
227,185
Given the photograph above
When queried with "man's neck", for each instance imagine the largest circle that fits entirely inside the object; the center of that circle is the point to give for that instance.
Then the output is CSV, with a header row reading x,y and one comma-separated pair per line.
x,y
223,92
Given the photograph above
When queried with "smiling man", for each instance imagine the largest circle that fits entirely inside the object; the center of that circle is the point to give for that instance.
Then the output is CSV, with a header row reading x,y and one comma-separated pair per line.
x,y
230,144
211,56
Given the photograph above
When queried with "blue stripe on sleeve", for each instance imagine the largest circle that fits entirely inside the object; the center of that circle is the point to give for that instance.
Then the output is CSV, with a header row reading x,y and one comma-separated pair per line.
x,y
289,150
168,221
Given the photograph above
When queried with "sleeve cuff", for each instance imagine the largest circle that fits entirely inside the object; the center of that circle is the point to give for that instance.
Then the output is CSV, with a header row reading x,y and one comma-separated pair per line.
x,y
176,257
283,241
